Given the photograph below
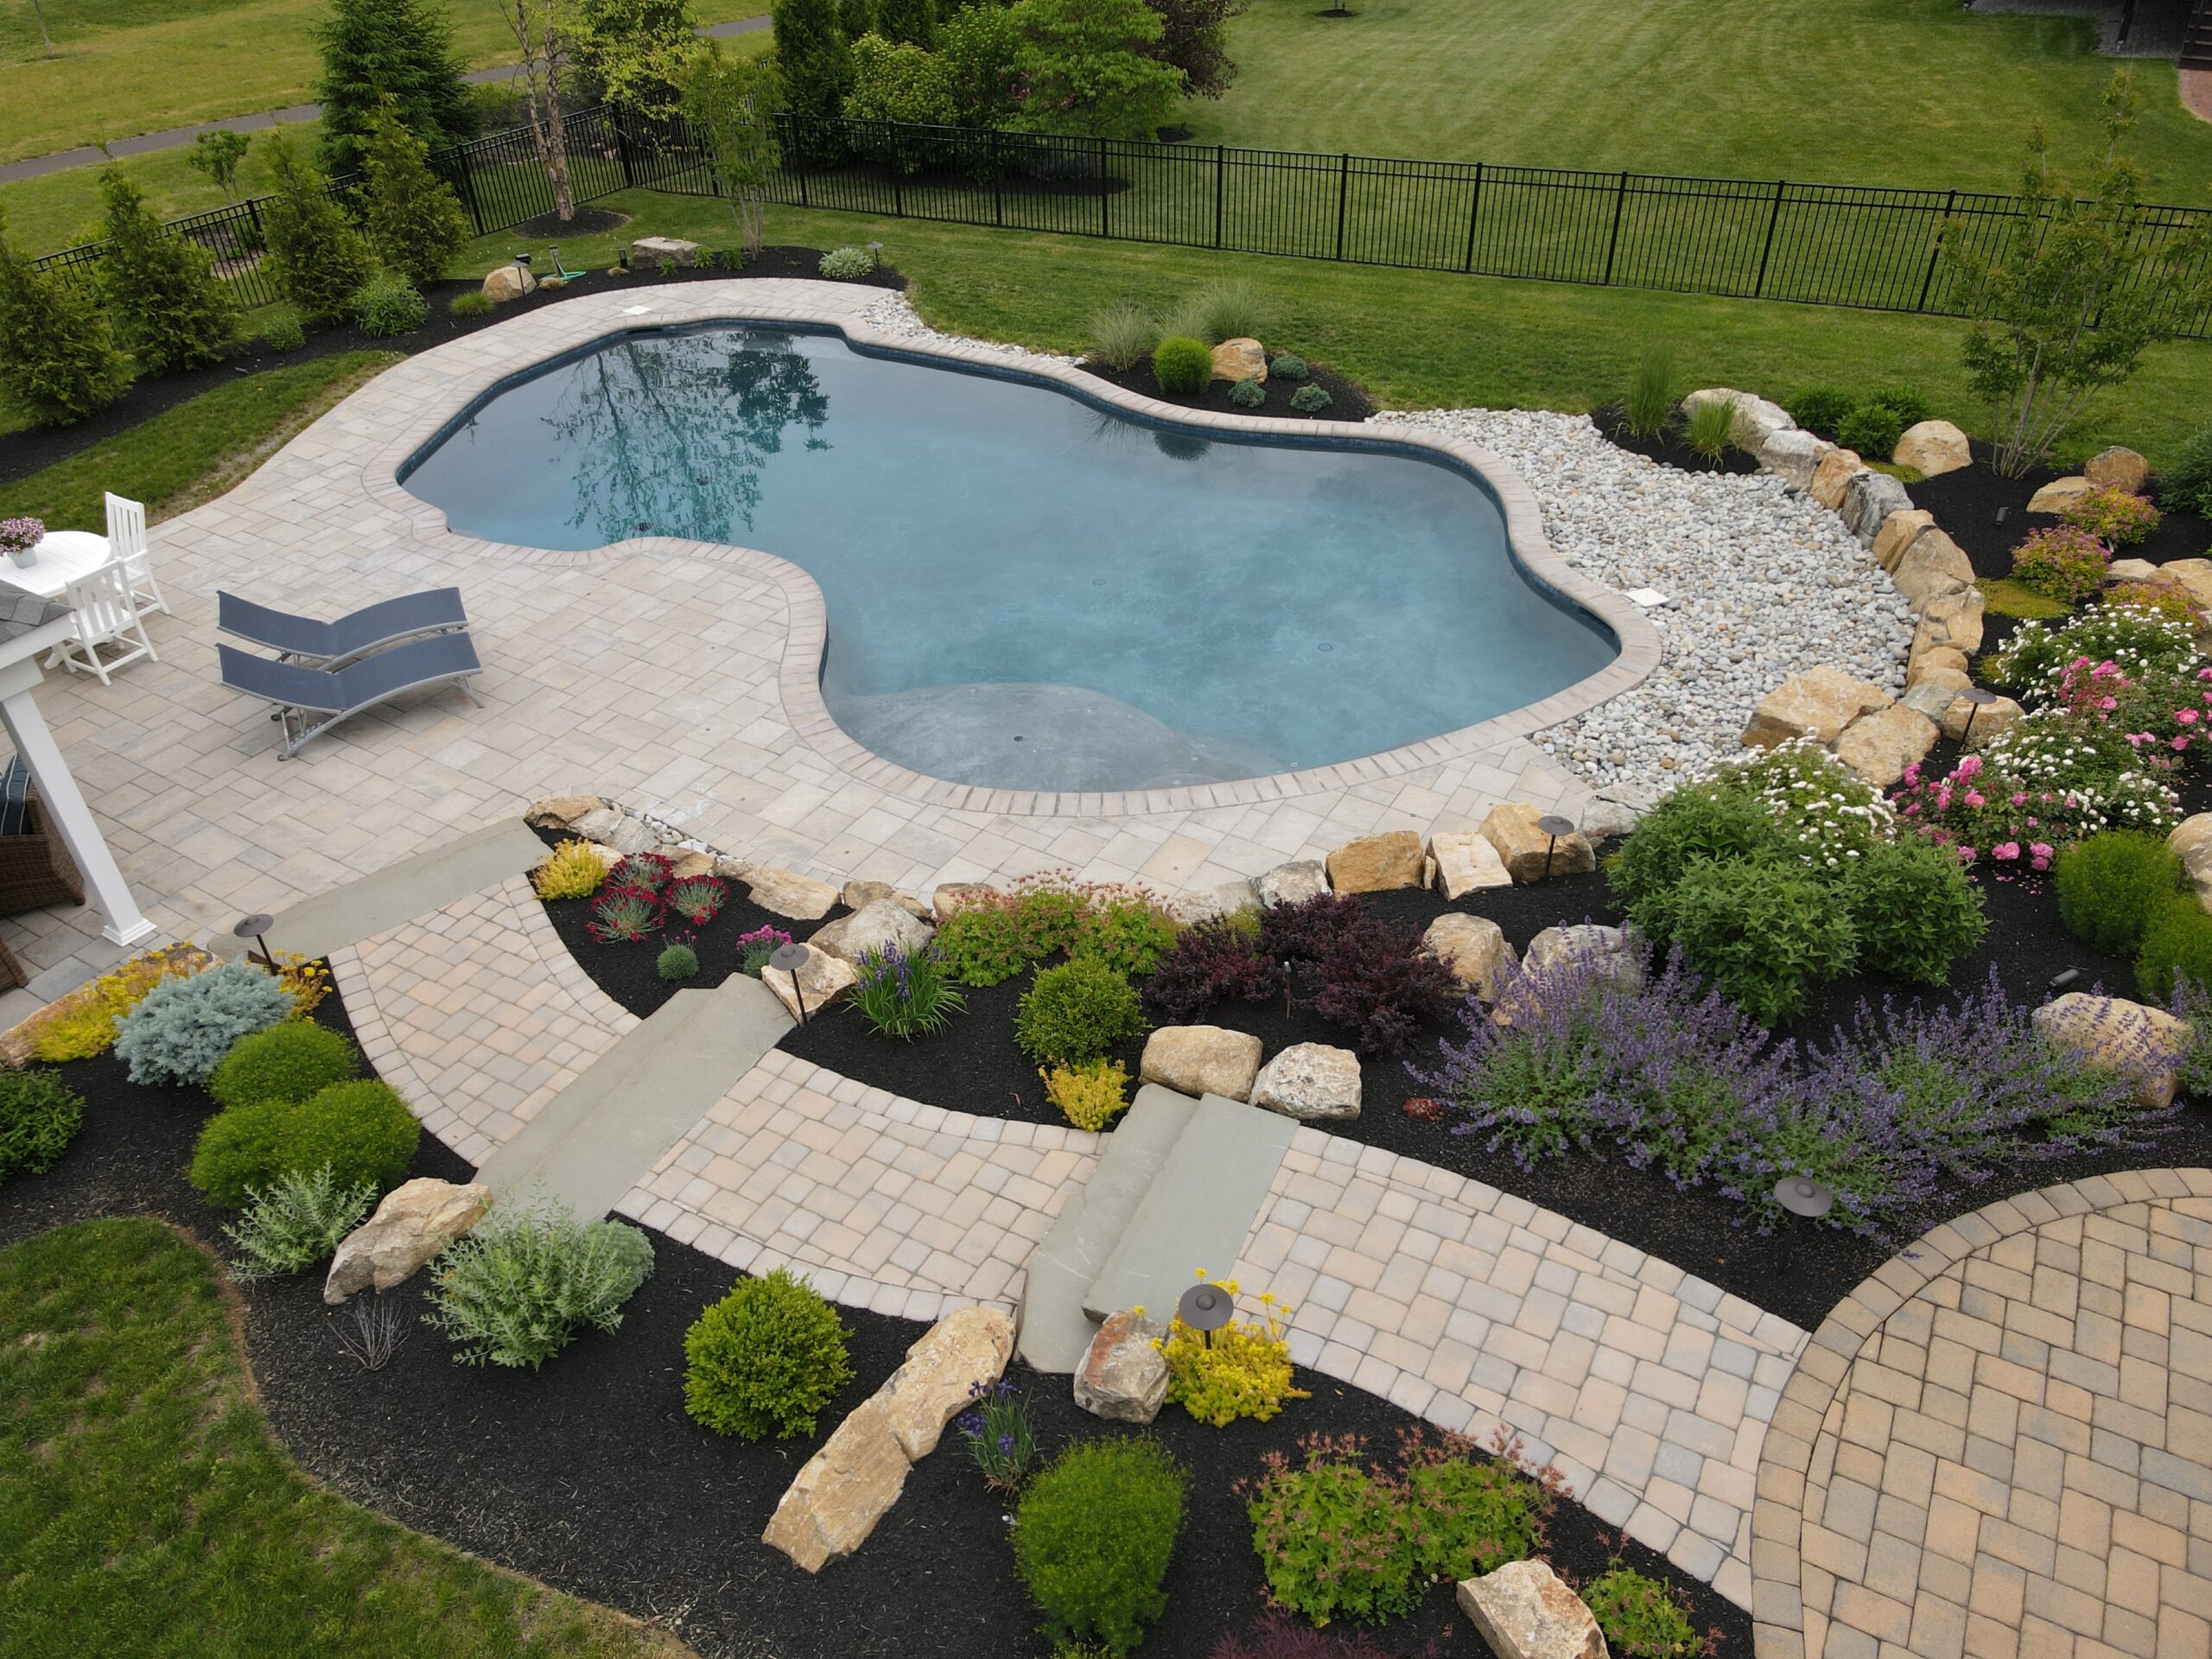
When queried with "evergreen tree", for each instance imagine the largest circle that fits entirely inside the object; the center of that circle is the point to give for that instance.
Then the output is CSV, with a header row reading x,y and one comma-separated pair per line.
x,y
415,224
174,314
908,22
58,359
1090,69
813,57
374,49
316,255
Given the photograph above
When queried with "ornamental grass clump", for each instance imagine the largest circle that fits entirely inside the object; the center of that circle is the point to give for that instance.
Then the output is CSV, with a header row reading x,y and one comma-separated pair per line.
x,y
1093,1537
1121,335
182,1028
288,1062
698,898
2061,563
527,1281
906,996
296,1222
572,870
1651,395
39,1116
766,1360
1710,429
625,915
1244,1371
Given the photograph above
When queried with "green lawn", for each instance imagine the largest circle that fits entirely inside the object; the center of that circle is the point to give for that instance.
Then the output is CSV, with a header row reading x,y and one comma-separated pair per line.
x,y
146,1510
1419,339
1853,92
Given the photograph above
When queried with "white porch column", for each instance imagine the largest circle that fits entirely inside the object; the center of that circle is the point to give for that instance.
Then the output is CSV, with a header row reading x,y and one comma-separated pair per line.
x,y
57,792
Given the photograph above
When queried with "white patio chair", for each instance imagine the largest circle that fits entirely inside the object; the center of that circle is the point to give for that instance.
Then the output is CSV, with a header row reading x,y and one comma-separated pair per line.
x,y
126,540
106,614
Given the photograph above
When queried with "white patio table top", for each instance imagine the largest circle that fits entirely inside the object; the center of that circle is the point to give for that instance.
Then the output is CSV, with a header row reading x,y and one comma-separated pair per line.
x,y
63,557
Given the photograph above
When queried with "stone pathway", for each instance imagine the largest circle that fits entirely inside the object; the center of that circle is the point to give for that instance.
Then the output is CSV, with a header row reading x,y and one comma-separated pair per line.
x,y
2001,1445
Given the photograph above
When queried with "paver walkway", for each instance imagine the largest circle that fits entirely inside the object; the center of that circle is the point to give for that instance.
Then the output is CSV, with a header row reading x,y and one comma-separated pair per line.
x,y
2001,1444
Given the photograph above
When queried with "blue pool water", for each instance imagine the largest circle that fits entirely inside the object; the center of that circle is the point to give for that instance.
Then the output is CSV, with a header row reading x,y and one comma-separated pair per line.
x,y
1025,591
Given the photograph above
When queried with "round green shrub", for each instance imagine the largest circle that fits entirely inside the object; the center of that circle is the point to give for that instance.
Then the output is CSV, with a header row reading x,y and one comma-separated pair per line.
x,y
765,1360
1093,1537
1822,409
1906,402
1642,1617
844,264
2112,886
677,962
1310,399
1872,431
1914,908
1076,1012
362,1130
1248,394
1719,821
2178,945
1761,937
182,1028
287,1062
284,334
473,303
1182,365
38,1117
387,304
1290,367
2187,483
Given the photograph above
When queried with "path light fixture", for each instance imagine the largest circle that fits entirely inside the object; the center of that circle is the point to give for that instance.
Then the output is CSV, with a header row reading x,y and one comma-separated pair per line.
x,y
875,251
1801,1195
1205,1307
2065,980
789,959
252,927
1977,698
1553,826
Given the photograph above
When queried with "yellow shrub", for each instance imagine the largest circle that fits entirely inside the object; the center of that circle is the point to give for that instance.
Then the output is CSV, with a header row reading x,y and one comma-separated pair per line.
x,y
572,870
308,981
1245,1372
1090,1095
83,1024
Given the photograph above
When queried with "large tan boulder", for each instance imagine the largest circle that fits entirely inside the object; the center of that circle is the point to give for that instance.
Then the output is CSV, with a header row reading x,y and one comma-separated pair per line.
x,y
1288,884
1936,660
1377,863
1896,534
1816,704
1311,1082
2119,467
2059,494
967,1346
2192,841
2144,1043
1525,1610
561,811
859,895
1756,418
1202,1060
1932,566
1987,722
1529,854
2192,576
505,282
1931,689
1473,948
2121,570
1464,862
662,253
843,1491
950,897
1239,359
823,979
1792,456
1879,746
1953,619
874,928
1610,954
1833,475
1123,1376
801,897
416,1219
1932,449
611,827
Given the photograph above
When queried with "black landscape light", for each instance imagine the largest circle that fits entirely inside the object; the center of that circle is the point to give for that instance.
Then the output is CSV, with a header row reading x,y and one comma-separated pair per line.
x,y
1801,1195
1977,697
1205,1307
2065,980
1554,826
789,959
252,927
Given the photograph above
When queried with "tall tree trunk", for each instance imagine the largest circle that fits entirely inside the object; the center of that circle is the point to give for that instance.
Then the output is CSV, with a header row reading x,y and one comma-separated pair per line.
x,y
541,47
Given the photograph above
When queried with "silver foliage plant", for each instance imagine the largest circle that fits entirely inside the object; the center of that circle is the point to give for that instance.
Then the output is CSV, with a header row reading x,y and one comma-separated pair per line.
x,y
185,1026
297,1220
519,1288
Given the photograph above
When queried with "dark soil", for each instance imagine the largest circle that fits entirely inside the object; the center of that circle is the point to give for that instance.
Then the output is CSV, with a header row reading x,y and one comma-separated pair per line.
x,y
1967,503
26,452
1668,448
589,1475
1348,399
584,221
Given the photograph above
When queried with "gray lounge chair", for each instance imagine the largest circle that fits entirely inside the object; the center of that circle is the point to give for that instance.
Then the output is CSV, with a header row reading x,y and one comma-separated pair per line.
x,y
333,645
302,693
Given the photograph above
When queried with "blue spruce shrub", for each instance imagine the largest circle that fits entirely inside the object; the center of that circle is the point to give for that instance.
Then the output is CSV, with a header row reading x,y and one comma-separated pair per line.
x,y
185,1027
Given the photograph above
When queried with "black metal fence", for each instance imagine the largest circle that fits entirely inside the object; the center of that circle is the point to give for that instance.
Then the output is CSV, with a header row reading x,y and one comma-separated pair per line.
x,y
1818,243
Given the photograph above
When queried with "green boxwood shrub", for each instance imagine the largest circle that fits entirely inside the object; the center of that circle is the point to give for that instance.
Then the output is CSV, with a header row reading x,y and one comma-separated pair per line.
x,y
1310,399
517,1289
1762,938
1697,822
2178,945
362,1131
1182,365
290,1061
1076,1012
677,961
1914,908
2112,886
185,1027
1093,1537
1872,431
766,1359
38,1117
1908,403
1822,409
389,305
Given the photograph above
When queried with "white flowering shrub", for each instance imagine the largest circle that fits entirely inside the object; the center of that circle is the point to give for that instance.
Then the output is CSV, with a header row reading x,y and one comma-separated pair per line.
x,y
2142,643
1830,815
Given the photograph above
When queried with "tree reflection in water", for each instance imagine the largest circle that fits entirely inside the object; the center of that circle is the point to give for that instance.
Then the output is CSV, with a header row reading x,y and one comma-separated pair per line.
x,y
669,434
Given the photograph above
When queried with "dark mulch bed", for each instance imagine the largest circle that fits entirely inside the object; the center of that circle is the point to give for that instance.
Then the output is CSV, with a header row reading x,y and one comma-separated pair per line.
x,y
26,452
1668,448
1348,399
585,221
1966,504
589,1474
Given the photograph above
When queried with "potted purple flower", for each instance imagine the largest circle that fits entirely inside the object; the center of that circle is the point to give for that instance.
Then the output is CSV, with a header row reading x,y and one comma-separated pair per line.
x,y
19,540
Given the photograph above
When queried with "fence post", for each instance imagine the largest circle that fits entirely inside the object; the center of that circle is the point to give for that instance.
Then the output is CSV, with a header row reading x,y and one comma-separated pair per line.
x,y
469,189
1099,146
1220,183
794,155
1928,282
1613,246
1344,197
1474,213
998,181
898,177
1773,218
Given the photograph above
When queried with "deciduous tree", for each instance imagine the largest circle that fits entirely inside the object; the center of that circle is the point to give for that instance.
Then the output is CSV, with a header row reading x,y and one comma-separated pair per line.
x,y
1089,67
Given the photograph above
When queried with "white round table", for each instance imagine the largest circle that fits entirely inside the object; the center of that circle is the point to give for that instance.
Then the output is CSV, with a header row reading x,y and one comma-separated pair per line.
x,y
66,555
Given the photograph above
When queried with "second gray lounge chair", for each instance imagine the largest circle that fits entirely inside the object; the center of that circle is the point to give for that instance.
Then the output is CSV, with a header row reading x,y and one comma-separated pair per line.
x,y
301,694
333,645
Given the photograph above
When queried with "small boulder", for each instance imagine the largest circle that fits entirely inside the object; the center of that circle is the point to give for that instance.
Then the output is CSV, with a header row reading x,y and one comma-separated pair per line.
x,y
842,1491
1472,947
1756,418
786,893
2060,493
1202,1060
1792,456
1879,746
1465,861
1286,884
1529,854
1606,820
1123,1376
2131,570
1610,952
1932,566
875,927
1239,359
1816,704
1953,619
1377,863
1988,721
416,1219
950,897
1933,448
611,827
2145,1043
859,895
1896,533
1525,1610
1868,498
2119,467
823,979
505,282
662,253
1833,475
688,862
937,1380
1311,1082
1936,659
2192,576
1223,899
561,811
2192,842
1932,690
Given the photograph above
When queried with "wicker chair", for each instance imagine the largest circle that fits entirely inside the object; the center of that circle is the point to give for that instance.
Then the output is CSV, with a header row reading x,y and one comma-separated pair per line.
x,y
36,868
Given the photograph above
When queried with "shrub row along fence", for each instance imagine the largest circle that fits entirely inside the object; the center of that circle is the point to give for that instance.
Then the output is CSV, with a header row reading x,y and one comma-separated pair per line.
x,y
1819,244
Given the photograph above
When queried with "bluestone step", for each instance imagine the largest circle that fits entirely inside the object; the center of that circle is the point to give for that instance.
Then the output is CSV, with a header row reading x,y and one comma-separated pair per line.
x,y
1197,1211
602,1134
1055,1331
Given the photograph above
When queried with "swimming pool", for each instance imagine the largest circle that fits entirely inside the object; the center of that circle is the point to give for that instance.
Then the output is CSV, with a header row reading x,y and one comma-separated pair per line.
x,y
1026,590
